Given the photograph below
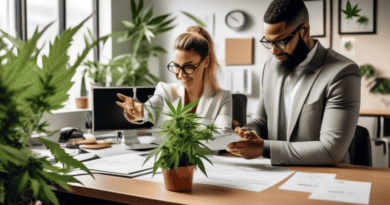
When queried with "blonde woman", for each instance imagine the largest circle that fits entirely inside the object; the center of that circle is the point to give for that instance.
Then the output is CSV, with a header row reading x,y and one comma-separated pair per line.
x,y
195,66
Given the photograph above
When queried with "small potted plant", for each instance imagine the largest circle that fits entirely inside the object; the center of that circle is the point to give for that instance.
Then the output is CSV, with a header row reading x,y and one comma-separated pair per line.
x,y
182,149
82,101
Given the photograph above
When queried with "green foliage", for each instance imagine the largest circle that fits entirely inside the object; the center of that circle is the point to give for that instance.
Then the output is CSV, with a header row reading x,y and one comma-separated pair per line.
x,y
348,45
182,136
132,69
27,91
194,18
97,71
382,85
367,70
351,12
362,20
83,91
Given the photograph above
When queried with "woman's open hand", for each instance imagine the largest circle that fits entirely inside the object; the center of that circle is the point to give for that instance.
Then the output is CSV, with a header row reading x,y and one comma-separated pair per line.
x,y
132,109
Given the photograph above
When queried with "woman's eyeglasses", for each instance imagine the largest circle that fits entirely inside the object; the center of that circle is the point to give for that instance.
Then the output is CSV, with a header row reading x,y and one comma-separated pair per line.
x,y
282,43
188,69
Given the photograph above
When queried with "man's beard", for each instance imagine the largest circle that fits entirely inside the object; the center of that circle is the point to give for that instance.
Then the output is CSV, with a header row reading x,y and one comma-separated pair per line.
x,y
298,56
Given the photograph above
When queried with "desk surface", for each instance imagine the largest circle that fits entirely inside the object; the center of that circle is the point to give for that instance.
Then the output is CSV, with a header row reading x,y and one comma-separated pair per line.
x,y
375,112
126,190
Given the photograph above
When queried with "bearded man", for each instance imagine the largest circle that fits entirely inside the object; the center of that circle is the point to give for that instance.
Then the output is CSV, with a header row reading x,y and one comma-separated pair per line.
x,y
309,96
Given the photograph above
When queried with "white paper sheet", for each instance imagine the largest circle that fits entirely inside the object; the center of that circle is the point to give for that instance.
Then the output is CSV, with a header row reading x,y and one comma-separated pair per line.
x,y
343,191
125,163
307,182
47,153
238,173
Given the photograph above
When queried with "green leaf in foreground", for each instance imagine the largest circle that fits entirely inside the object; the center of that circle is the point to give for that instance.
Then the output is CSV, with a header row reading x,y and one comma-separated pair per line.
x,y
61,156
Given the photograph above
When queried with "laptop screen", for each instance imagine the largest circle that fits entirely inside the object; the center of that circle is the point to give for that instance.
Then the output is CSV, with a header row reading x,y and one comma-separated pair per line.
x,y
108,116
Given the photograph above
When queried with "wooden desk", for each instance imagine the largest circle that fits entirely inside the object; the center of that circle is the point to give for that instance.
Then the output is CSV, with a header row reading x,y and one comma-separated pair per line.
x,y
126,190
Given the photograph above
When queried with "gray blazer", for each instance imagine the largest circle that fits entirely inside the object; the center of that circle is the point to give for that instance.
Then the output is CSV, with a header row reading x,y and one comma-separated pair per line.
x,y
324,114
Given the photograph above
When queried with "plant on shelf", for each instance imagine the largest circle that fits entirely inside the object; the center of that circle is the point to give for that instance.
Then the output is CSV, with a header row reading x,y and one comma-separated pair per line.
x,y
182,149
27,92
82,101
96,71
90,42
132,69
382,85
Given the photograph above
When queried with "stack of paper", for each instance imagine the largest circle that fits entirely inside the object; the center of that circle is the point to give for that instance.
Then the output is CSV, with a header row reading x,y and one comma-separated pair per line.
x,y
306,182
124,164
344,191
238,173
326,187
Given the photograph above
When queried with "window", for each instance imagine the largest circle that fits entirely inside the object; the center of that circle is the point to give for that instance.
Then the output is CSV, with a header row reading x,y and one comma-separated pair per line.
x,y
39,14
21,17
7,16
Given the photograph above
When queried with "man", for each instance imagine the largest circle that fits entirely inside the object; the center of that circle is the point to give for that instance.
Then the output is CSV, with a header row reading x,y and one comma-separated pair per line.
x,y
309,99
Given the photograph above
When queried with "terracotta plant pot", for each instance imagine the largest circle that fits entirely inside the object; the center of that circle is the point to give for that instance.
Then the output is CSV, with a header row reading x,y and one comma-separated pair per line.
x,y
82,102
180,180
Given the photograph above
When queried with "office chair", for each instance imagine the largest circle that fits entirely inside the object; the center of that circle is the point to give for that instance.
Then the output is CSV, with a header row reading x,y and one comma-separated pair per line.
x,y
360,148
239,108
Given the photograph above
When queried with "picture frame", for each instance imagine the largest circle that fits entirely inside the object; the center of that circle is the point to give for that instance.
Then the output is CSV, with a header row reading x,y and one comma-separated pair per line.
x,y
356,25
317,13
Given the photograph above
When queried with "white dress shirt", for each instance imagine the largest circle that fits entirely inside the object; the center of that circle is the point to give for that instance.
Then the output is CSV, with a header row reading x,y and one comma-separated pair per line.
x,y
218,108
293,82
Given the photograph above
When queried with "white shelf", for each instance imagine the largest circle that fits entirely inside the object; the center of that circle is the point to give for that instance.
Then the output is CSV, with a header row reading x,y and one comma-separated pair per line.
x,y
67,110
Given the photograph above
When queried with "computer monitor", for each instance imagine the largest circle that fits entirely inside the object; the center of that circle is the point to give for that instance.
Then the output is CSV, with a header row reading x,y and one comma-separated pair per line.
x,y
108,116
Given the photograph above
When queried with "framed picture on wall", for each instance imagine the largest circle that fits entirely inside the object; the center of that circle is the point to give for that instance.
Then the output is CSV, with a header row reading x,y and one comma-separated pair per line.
x,y
357,16
317,17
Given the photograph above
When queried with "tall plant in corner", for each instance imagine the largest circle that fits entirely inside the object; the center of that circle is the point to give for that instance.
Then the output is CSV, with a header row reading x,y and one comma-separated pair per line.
x,y
27,92
132,69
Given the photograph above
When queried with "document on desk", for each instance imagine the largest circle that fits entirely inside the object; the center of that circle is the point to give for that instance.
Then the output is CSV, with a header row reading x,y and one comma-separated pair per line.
x,y
248,177
343,191
238,173
307,182
124,164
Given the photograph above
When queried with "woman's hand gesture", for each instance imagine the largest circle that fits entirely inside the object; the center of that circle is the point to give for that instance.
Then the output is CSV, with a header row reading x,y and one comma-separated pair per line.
x,y
133,110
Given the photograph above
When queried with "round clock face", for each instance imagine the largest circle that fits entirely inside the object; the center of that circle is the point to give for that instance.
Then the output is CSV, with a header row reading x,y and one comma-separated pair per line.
x,y
235,20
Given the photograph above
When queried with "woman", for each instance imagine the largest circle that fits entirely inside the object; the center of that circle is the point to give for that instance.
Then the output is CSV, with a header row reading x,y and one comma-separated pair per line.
x,y
195,66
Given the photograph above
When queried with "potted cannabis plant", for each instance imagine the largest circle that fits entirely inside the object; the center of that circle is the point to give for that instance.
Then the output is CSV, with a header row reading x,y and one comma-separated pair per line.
x,y
27,92
182,149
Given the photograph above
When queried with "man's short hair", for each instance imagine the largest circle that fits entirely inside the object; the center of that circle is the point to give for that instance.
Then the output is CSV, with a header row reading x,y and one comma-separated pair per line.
x,y
293,12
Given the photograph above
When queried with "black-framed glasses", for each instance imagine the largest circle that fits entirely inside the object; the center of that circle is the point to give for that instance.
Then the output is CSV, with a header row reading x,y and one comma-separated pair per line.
x,y
282,43
188,69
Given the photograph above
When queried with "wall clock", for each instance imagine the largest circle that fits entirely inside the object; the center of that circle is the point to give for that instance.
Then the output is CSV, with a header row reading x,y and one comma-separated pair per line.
x,y
236,20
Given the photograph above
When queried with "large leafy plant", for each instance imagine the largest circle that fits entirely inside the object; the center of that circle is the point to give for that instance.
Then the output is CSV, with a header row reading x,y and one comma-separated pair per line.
x,y
132,69
182,136
27,91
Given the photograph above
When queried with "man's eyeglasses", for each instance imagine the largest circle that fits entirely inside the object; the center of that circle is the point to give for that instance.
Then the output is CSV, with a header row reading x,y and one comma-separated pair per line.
x,y
282,43
188,69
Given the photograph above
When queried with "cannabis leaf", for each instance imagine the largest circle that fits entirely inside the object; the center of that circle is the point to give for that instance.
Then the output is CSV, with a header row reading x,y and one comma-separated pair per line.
x,y
362,20
351,12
